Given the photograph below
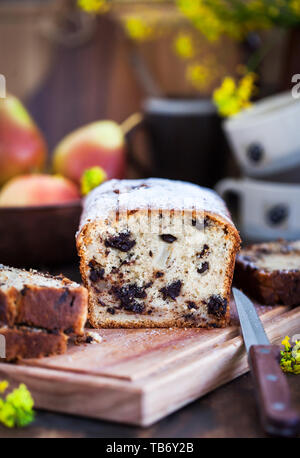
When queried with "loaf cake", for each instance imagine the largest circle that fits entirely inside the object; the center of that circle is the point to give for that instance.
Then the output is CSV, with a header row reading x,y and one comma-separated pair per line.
x,y
25,342
39,311
41,300
270,272
156,253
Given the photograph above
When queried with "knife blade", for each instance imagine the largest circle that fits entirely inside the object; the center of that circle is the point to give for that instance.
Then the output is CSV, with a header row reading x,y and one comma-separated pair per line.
x,y
272,391
252,328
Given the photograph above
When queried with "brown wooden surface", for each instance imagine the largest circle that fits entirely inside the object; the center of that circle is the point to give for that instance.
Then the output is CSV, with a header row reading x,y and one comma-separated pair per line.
x,y
228,411
141,376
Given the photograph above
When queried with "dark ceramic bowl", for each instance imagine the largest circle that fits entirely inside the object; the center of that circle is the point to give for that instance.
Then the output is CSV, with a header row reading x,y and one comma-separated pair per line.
x,y
39,236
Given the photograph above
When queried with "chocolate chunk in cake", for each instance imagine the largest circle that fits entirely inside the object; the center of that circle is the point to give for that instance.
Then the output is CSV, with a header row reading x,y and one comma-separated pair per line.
x,y
96,271
204,267
121,242
172,290
217,306
168,238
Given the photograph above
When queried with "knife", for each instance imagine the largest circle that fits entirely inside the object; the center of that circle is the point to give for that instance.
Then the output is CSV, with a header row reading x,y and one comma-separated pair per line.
x,y
273,395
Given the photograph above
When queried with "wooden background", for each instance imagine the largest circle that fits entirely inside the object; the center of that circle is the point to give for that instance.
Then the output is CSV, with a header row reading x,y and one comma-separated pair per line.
x,y
67,84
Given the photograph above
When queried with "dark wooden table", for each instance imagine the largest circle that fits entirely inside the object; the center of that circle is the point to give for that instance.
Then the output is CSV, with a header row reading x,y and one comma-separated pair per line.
x,y
227,412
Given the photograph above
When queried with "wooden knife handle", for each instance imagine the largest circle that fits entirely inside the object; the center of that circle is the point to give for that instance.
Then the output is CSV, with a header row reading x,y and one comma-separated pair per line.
x,y
277,415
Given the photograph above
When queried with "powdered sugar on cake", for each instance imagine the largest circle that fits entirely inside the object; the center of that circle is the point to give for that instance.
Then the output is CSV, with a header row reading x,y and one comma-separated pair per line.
x,y
152,193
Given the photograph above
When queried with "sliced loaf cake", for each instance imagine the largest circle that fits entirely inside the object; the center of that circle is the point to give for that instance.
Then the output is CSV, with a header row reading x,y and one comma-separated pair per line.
x,y
38,312
156,253
270,272
41,300
22,342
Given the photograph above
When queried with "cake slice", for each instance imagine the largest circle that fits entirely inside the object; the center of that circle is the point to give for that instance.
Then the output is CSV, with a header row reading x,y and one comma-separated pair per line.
x,y
40,300
270,272
156,253
25,342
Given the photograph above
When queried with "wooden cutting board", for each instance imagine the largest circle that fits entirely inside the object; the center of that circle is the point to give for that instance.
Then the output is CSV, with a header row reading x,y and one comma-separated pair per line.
x,y
139,376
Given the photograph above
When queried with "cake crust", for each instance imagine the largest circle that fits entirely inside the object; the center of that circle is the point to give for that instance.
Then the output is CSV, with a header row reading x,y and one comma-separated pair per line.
x,y
7,306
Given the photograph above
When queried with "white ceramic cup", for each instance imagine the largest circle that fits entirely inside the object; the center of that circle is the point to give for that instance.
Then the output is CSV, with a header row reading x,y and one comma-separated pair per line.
x,y
266,211
265,138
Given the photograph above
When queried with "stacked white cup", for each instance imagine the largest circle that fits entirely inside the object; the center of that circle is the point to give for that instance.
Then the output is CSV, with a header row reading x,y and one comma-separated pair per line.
x,y
265,140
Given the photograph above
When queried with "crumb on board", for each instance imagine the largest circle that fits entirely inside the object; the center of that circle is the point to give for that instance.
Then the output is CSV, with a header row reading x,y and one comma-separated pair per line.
x,y
89,337
93,337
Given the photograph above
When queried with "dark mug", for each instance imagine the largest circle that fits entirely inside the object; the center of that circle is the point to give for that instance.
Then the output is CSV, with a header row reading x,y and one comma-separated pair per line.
x,y
185,139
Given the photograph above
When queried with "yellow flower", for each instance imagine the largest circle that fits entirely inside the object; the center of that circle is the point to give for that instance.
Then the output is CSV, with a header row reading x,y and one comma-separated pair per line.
x,y
296,351
290,357
234,18
245,89
198,75
17,408
230,98
228,87
286,342
183,46
3,385
138,29
93,6
203,18
295,6
7,414
92,178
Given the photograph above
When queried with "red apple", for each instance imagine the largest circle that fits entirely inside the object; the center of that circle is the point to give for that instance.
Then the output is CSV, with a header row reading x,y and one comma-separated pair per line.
x,y
98,144
36,190
22,146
